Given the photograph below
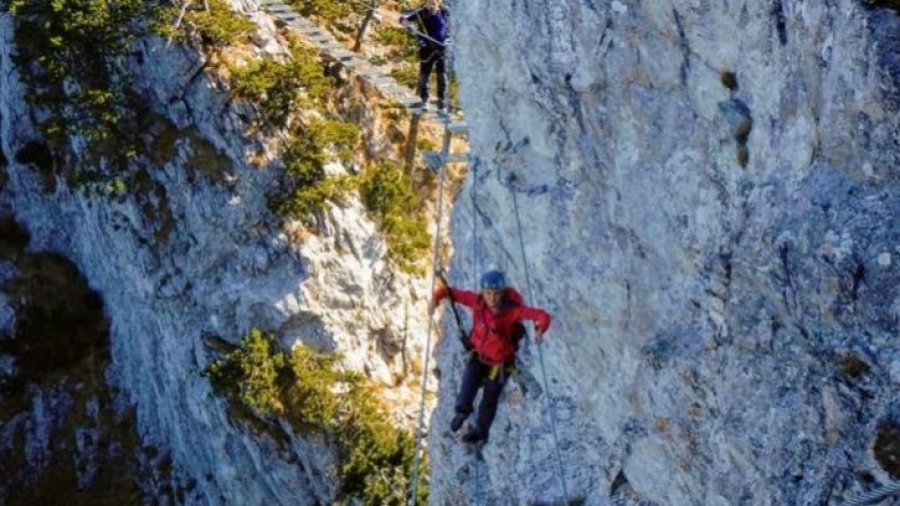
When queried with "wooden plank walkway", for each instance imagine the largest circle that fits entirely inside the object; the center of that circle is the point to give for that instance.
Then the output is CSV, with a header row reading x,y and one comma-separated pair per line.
x,y
374,76
354,62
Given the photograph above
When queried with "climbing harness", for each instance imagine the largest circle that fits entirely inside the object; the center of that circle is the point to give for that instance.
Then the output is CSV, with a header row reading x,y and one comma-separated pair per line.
x,y
495,371
878,494
562,472
434,265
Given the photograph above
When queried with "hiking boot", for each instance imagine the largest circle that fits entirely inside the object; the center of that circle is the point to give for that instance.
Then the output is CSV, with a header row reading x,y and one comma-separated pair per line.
x,y
473,436
457,421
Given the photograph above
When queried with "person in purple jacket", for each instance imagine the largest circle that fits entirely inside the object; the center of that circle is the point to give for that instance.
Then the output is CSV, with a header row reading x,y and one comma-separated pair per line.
x,y
433,33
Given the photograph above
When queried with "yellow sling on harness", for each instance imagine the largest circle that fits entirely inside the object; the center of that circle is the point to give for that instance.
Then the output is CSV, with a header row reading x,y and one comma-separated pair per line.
x,y
495,370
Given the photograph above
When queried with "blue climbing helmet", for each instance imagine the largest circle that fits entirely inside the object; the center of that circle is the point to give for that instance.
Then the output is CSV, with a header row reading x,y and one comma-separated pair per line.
x,y
493,280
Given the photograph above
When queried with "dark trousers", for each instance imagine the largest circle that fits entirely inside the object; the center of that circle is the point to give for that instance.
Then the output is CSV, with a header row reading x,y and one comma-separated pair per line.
x,y
432,58
476,375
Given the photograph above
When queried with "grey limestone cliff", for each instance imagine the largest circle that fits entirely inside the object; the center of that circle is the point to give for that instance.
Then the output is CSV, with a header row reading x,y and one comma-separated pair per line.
x,y
187,257
709,193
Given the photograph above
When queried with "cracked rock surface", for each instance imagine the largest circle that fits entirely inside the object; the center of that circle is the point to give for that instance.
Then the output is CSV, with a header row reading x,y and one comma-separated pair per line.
x,y
191,255
708,194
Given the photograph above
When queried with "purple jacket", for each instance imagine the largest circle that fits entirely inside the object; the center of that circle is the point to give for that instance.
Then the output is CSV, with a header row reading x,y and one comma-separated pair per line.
x,y
436,26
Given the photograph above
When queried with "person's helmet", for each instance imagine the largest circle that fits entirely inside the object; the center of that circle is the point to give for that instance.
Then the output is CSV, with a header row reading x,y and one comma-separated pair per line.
x,y
493,280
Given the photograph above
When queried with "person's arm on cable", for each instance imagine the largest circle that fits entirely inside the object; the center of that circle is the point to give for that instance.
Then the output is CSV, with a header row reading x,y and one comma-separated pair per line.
x,y
464,297
540,318
409,17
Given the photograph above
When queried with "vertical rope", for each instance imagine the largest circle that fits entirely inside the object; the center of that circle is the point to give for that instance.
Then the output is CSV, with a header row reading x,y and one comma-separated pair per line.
x,y
434,266
562,472
477,476
474,195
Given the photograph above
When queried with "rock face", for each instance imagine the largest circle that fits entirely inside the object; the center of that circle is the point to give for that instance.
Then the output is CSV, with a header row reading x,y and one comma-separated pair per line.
x,y
190,253
708,194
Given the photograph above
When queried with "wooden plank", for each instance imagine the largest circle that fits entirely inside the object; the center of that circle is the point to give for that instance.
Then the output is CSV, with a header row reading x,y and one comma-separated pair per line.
x,y
409,101
458,127
298,23
343,54
355,62
457,158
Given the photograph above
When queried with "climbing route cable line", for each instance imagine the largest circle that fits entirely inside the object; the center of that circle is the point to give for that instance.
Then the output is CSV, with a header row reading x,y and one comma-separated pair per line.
x,y
287,14
425,371
476,162
562,472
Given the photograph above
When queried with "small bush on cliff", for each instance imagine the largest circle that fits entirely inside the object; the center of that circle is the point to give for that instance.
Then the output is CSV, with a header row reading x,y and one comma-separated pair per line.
x,y
281,88
217,27
390,198
70,54
401,44
320,143
309,390
406,75
340,14
249,373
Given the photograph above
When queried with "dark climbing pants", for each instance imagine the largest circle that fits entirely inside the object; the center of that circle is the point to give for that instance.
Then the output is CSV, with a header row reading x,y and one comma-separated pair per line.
x,y
476,375
432,58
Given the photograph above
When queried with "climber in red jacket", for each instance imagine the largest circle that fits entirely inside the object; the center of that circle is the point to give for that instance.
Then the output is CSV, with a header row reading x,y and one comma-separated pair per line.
x,y
496,315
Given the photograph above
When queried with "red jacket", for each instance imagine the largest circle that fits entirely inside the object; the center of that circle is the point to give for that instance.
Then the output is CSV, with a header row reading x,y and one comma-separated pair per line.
x,y
492,334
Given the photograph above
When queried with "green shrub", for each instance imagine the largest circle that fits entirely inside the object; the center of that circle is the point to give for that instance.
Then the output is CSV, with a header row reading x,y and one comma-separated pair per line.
x,y
305,158
402,45
309,390
425,144
280,88
249,374
309,386
332,11
406,75
307,201
390,198
70,54
217,27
